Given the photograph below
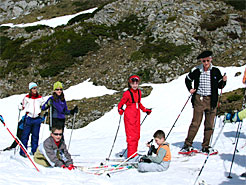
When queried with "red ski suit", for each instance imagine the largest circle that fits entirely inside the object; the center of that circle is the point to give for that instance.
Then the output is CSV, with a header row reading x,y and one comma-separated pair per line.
x,y
132,118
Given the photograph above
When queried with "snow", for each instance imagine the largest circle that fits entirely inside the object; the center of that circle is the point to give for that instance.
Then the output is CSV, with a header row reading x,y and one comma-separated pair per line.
x,y
93,142
54,22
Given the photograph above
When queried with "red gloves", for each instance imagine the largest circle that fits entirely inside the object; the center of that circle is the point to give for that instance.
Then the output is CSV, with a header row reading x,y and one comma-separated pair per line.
x,y
121,111
148,111
70,167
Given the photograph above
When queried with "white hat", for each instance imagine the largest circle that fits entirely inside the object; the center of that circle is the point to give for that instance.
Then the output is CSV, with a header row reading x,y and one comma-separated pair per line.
x,y
32,84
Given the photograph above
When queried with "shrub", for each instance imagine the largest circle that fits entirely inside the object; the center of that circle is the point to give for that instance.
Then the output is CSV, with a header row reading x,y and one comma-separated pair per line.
x,y
144,75
163,51
30,29
237,4
11,48
3,28
234,97
131,25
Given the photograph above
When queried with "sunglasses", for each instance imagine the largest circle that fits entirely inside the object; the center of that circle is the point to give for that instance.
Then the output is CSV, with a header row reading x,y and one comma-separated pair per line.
x,y
58,89
205,61
34,88
58,134
134,80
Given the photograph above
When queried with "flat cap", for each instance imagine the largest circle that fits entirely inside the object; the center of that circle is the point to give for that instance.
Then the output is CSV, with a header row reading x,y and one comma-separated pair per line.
x,y
205,54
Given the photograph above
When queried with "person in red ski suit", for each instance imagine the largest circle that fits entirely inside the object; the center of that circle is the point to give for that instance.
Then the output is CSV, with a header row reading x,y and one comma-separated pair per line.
x,y
132,99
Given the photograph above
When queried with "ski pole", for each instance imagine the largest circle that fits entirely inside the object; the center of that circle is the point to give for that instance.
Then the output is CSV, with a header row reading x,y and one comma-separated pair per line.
x,y
43,128
121,155
236,136
209,154
240,124
71,131
50,117
24,150
125,161
114,139
178,117
18,126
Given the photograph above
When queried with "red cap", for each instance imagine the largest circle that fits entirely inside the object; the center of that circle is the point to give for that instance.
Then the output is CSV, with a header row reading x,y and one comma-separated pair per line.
x,y
134,78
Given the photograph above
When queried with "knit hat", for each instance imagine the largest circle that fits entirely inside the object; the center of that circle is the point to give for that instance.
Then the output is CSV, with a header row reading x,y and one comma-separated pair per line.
x,y
134,78
32,84
205,54
57,85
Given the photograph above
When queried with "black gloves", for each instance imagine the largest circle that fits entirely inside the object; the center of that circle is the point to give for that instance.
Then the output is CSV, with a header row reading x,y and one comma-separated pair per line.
x,y
145,159
74,110
152,149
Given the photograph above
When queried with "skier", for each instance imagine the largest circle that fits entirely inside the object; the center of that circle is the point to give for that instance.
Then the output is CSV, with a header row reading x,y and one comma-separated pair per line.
x,y
59,106
162,159
207,79
53,151
132,99
32,103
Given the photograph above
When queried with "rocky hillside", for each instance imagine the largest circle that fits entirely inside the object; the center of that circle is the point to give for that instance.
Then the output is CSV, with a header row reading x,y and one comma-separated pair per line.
x,y
158,40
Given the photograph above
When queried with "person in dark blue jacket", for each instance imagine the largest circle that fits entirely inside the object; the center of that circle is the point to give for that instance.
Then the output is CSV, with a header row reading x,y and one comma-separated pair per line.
x,y
59,106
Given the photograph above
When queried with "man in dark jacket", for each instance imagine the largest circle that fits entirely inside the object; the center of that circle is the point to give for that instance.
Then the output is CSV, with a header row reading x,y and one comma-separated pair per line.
x,y
53,151
207,80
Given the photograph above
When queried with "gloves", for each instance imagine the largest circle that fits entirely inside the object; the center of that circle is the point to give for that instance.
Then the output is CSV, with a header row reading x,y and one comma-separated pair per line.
x,y
227,118
152,149
63,166
45,114
71,167
148,111
145,159
74,110
235,118
1,118
20,107
121,111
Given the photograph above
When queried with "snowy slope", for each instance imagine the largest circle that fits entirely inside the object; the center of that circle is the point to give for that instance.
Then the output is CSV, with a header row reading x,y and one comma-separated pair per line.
x,y
94,142
54,22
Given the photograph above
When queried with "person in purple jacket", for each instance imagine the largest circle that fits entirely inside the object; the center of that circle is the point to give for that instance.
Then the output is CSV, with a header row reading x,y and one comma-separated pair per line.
x,y
59,106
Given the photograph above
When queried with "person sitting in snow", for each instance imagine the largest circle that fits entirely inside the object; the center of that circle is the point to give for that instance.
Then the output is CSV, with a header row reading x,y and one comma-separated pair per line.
x,y
132,99
162,159
53,151
59,106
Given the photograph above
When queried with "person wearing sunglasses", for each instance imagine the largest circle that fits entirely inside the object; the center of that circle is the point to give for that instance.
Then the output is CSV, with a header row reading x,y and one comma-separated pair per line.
x,y
53,151
207,80
59,106
31,103
132,99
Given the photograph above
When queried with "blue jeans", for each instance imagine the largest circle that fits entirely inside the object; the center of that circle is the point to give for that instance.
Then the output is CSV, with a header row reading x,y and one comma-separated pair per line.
x,y
31,126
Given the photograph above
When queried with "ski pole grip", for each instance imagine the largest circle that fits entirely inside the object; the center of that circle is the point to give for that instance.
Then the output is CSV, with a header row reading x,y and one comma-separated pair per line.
x,y
150,141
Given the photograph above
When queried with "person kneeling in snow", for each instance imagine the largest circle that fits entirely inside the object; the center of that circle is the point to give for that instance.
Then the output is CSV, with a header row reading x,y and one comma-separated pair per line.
x,y
53,151
162,159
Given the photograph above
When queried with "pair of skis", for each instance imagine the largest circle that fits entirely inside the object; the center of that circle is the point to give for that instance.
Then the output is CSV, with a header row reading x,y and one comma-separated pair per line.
x,y
105,169
195,151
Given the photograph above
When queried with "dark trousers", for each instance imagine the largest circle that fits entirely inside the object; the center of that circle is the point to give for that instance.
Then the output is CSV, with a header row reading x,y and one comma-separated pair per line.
x,y
31,126
58,122
201,105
